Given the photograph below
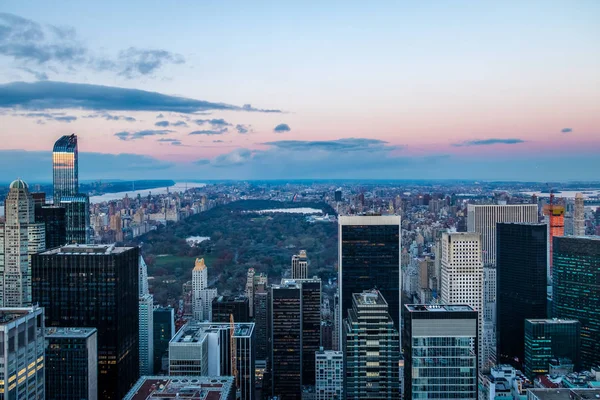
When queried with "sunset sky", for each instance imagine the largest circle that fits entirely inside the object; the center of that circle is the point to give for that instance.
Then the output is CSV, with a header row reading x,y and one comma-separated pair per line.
x,y
485,90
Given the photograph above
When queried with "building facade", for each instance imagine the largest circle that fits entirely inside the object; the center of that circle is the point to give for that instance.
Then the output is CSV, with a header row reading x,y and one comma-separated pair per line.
x,y
65,167
300,265
164,330
146,338
372,349
329,378
71,364
202,295
579,216
54,219
262,318
440,352
522,285
225,306
188,387
576,290
77,214
547,339
22,366
95,286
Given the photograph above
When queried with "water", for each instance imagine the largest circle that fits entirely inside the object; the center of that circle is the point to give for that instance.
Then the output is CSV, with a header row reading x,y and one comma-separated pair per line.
x,y
193,240
178,187
299,210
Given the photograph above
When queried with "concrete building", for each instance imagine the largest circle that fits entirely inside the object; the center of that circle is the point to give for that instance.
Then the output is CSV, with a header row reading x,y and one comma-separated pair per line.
x,y
371,349
188,387
20,237
462,280
71,363
146,338
300,265
202,296
563,394
579,216
329,379
505,382
250,290
440,352
188,352
22,366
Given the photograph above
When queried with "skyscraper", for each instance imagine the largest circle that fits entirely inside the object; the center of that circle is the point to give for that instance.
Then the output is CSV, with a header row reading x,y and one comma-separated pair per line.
x,y
77,214
20,237
547,339
579,216
164,330
54,219
146,335
250,290
22,367
369,257
576,290
522,283
262,316
329,383
95,286
440,352
462,278
372,349
65,167
300,265
555,218
202,295
71,363
225,306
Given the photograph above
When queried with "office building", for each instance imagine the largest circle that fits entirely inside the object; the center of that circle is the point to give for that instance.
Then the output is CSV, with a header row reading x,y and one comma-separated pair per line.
x,y
188,352
329,382
440,352
250,291
20,237
262,318
95,286
164,330
372,349
77,212
184,387
22,366
522,285
563,394
71,364
336,339
338,195
462,280
548,339
65,167
300,265
576,290
225,306
146,338
369,257
143,277
579,216
54,219
202,295
554,216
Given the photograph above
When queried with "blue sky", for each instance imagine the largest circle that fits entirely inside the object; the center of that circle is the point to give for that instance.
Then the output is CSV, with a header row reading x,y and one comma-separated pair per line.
x,y
473,90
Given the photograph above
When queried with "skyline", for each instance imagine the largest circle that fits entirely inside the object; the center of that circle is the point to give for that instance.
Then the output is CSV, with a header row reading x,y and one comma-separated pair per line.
x,y
410,91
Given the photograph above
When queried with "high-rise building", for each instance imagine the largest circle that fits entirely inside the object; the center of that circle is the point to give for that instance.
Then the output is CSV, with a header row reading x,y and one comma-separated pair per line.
x,y
250,291
205,349
369,257
54,219
146,338
225,306
300,265
579,216
65,167
336,337
311,326
329,383
20,237
462,279
164,330
555,218
262,317
547,339
372,349
95,286
143,277
77,213
440,352
522,283
71,364
576,290
184,387
202,295
22,366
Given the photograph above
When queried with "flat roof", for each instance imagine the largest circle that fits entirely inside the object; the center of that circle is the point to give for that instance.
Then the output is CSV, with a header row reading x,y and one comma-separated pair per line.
x,y
78,249
193,332
61,332
186,387
369,298
438,307
10,314
542,321
564,394
369,220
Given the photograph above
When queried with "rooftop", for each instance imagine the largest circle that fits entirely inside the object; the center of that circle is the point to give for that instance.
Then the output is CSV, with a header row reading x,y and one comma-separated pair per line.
x,y
369,298
542,321
10,314
438,307
96,249
185,387
193,332
60,332
565,394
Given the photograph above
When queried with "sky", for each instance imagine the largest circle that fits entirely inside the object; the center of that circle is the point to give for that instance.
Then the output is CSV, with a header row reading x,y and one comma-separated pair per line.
x,y
302,90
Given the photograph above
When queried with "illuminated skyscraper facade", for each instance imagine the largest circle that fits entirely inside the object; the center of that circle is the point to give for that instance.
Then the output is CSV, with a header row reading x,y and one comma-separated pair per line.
x,y
65,167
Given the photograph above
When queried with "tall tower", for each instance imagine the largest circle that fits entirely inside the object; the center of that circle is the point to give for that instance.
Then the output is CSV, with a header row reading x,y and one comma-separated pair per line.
x,y
20,237
250,290
202,295
462,279
555,217
65,167
146,321
579,216
300,265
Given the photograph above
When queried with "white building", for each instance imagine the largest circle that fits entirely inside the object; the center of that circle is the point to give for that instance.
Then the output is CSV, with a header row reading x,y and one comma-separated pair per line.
x,y
329,379
188,352
579,216
20,237
462,276
146,336
22,353
202,295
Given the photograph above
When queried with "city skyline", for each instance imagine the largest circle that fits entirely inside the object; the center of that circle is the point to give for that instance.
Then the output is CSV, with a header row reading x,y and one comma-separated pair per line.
x,y
291,91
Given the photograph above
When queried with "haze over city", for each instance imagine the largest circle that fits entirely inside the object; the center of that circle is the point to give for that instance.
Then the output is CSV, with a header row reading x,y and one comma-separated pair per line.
x,y
264,90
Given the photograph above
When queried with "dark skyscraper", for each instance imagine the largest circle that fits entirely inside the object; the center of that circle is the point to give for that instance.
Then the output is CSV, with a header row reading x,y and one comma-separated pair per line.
x,y
311,326
369,257
224,306
65,167
77,222
95,286
164,330
576,290
261,319
521,284
54,219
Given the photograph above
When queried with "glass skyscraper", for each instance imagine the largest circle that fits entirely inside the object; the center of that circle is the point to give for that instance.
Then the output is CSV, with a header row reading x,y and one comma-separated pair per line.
x,y
77,214
440,352
547,339
576,290
65,167
521,284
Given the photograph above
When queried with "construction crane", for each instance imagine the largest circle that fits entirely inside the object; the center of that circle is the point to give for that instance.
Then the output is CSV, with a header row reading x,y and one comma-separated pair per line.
x,y
234,371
